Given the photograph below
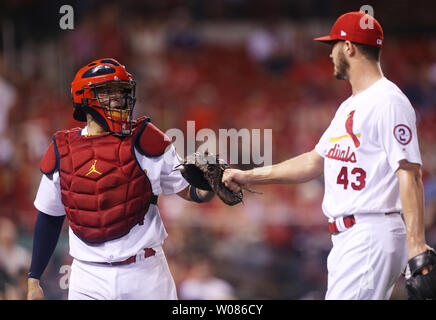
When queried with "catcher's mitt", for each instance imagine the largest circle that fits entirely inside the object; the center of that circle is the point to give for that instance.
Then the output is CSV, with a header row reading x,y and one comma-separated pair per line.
x,y
205,171
419,286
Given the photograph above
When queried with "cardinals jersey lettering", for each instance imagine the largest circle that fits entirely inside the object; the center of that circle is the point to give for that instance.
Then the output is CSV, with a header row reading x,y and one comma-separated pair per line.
x,y
370,133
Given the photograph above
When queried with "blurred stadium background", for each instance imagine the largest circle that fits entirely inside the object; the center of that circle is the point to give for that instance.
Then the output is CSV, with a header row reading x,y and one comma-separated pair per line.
x,y
225,64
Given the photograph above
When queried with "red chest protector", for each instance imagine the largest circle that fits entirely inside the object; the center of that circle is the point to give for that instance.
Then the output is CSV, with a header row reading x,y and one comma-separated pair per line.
x,y
104,190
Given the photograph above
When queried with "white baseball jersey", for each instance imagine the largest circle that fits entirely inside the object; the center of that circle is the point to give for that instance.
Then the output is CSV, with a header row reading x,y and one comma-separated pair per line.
x,y
370,133
149,235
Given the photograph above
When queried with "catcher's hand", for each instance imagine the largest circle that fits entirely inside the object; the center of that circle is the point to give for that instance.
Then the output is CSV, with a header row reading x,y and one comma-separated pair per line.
x,y
205,171
34,290
421,286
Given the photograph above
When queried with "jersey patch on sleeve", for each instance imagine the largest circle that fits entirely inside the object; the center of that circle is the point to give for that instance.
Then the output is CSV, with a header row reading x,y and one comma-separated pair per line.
x,y
403,134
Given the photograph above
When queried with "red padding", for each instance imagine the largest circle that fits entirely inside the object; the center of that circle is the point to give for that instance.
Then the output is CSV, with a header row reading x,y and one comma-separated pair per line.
x,y
49,161
153,141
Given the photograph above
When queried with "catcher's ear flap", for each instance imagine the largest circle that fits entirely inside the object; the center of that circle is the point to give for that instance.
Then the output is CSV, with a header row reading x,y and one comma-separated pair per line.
x,y
78,113
50,161
150,141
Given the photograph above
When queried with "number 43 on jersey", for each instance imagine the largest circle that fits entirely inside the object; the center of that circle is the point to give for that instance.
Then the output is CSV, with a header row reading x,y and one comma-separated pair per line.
x,y
357,175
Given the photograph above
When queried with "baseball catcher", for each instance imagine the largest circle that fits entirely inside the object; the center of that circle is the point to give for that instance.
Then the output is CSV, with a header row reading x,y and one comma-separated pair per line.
x,y
420,285
105,178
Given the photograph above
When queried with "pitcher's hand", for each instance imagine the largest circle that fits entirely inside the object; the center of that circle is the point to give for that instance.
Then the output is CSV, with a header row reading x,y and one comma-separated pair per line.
x,y
235,179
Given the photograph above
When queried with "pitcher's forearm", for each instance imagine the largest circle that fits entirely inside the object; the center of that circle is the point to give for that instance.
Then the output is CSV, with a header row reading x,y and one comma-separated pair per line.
x,y
300,169
412,201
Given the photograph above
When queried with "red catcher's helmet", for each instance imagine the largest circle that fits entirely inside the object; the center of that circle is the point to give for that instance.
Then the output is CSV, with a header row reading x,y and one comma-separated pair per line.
x,y
113,113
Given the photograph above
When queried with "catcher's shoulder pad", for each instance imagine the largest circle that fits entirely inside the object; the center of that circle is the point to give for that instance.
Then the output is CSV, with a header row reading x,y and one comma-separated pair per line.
x,y
50,161
149,140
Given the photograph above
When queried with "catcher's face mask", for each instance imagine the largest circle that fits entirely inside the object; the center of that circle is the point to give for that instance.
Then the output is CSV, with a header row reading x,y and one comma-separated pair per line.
x,y
116,101
111,105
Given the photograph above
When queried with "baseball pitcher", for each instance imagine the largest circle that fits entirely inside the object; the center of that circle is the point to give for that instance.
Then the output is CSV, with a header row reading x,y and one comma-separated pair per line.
x,y
371,162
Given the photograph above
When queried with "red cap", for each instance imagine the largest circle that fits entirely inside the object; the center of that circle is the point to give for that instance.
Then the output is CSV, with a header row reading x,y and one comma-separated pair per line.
x,y
356,26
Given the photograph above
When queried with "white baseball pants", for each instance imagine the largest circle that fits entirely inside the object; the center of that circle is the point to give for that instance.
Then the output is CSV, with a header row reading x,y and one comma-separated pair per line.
x,y
146,279
367,259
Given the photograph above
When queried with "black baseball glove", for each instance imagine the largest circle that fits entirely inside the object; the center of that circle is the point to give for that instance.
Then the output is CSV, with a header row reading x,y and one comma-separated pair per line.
x,y
205,171
419,286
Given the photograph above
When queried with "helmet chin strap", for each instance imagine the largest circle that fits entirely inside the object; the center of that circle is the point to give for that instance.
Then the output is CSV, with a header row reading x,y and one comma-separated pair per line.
x,y
103,122
97,117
